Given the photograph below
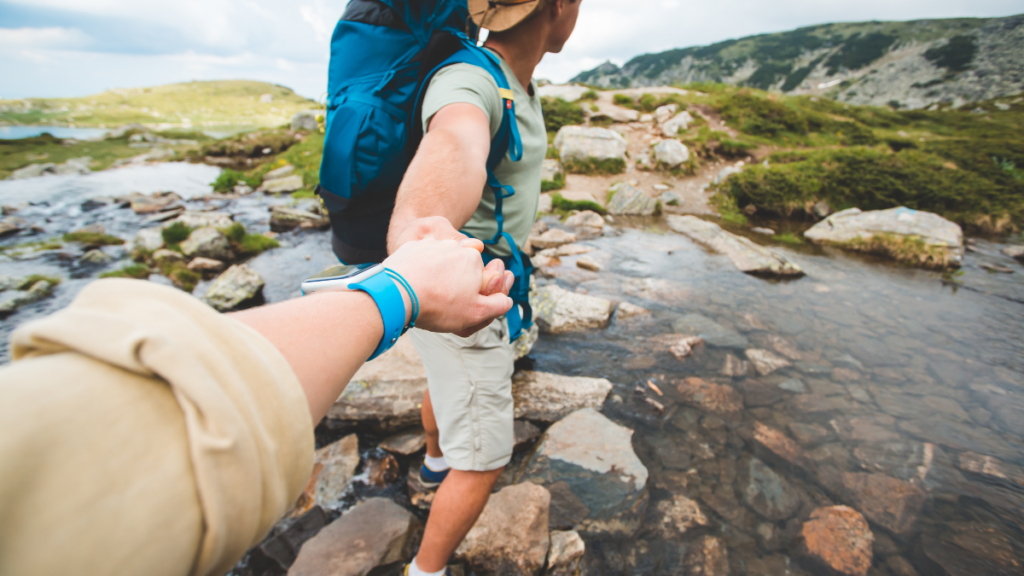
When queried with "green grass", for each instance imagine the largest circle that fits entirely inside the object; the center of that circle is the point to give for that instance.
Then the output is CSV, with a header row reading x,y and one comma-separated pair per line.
x,y
590,166
246,244
788,238
93,239
558,113
137,271
35,245
560,204
557,184
727,208
176,233
589,95
228,179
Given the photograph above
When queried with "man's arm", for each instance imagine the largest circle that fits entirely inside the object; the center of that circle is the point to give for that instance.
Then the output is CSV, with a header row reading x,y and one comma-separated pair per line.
x,y
446,177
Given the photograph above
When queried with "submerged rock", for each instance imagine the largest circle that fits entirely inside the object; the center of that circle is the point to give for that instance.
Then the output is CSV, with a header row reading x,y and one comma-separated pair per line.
x,y
374,533
892,504
713,333
773,445
684,346
387,392
567,550
907,235
734,367
680,515
971,549
707,556
511,535
710,397
744,253
545,397
557,310
626,310
39,291
837,540
631,201
594,457
236,287
765,362
11,225
767,493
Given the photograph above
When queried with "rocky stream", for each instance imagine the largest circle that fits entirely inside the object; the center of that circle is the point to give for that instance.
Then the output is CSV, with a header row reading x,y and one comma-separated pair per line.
x,y
674,416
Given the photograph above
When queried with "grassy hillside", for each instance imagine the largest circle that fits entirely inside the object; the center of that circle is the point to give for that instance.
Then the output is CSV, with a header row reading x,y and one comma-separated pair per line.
x,y
191,105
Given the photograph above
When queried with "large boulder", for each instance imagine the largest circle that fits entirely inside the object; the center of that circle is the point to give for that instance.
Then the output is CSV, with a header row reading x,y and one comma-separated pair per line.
x,y
913,236
511,535
837,540
305,120
589,150
207,243
677,123
236,287
594,458
545,397
387,392
283,219
334,466
375,532
632,201
556,310
670,153
744,253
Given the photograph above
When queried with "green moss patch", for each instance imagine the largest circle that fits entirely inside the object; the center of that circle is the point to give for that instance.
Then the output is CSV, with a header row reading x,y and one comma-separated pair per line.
x,y
788,238
591,166
558,113
557,184
137,271
33,279
246,244
93,239
560,204
908,249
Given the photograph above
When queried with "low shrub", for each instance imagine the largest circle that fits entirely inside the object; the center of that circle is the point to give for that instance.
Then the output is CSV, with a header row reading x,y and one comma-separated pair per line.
x,y
589,95
556,184
624,101
558,113
591,166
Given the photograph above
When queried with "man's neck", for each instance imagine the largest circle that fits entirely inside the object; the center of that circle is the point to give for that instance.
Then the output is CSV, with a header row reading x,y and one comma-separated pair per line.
x,y
522,53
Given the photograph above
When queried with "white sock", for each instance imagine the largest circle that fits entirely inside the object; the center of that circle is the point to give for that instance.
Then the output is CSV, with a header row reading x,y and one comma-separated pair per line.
x,y
436,464
414,570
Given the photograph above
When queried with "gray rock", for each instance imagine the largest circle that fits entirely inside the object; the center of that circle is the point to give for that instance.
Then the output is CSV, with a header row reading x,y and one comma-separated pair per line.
x,y
373,533
821,209
579,144
281,172
713,333
588,263
707,556
595,458
662,114
74,166
33,171
567,92
625,310
765,231
164,255
236,287
894,232
767,493
765,362
677,123
96,256
207,243
155,202
195,219
567,550
305,120
1016,252
205,265
794,385
544,206
524,344
283,185
523,432
631,201
386,393
551,169
334,466
40,290
511,535
670,153
585,219
150,239
557,310
545,397
406,443
283,219
12,225
615,113
724,173
745,254
552,238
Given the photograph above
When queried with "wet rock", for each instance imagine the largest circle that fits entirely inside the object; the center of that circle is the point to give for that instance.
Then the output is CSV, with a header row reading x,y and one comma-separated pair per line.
x,y
39,291
567,510
679,515
333,468
970,549
12,225
587,146
595,457
585,219
373,533
899,566
807,433
756,393
866,430
205,265
550,170
545,397
710,397
283,185
894,232
156,202
196,219
631,201
567,550
811,403
997,269
836,540
406,443
278,552
150,239
670,128
734,367
991,468
163,256
523,432
235,288
386,393
511,535
207,243
745,254
524,344
557,310
283,219
625,310
794,385
765,362
1016,252
588,263
382,471
684,346
706,556
771,444
767,493
892,504
96,256
552,238
961,436
33,171
670,154
713,333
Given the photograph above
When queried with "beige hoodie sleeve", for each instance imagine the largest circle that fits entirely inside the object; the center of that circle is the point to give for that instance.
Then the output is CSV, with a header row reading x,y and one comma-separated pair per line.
x,y
143,433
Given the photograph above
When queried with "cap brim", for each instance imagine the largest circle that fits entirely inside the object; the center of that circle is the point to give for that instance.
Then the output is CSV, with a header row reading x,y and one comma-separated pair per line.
x,y
501,17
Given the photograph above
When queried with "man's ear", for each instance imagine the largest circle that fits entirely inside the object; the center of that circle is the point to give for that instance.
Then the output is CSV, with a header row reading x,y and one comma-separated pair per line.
x,y
556,7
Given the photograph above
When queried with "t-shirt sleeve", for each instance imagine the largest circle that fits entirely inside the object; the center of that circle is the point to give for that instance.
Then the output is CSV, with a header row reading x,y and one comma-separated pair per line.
x,y
463,83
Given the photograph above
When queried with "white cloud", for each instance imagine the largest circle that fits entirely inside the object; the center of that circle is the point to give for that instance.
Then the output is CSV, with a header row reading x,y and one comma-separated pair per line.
x,y
45,38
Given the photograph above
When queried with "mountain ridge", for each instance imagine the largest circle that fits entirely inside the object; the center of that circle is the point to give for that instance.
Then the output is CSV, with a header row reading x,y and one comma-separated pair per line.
x,y
913,64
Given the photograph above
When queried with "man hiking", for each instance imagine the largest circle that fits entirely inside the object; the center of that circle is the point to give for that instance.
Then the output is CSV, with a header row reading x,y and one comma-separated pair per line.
x,y
468,411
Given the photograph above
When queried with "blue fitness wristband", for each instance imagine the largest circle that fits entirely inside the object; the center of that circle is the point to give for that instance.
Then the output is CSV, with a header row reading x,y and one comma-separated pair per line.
x,y
389,301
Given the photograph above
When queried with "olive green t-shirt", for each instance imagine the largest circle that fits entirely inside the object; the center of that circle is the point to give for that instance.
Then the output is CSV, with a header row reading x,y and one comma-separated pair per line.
x,y
465,83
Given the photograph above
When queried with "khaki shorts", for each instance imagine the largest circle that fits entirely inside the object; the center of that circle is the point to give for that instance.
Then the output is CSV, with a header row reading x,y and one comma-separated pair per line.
x,y
470,382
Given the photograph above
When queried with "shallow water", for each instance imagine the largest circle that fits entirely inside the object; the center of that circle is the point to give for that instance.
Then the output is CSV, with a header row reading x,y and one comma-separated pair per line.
x,y
19,132
894,371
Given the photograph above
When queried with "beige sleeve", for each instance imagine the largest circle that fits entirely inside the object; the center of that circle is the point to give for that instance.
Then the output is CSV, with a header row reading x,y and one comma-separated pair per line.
x,y
143,433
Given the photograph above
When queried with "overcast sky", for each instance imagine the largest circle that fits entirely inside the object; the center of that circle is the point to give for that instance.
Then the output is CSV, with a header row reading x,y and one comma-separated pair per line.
x,y
74,48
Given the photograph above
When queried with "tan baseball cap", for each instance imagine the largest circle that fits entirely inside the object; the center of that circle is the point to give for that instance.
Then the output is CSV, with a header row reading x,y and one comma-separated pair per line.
x,y
500,15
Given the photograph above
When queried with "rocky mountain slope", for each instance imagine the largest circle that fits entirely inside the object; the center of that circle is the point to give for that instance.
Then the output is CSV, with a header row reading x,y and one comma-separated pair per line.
x,y
913,64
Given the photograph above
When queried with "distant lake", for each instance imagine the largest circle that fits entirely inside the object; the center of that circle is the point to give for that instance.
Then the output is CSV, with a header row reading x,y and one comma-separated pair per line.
x,y
19,132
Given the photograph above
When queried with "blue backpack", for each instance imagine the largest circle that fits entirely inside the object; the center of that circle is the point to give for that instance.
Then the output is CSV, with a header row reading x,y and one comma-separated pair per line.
x,y
383,55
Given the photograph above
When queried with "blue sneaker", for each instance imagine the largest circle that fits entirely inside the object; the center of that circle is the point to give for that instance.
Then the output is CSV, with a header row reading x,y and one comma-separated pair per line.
x,y
431,479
